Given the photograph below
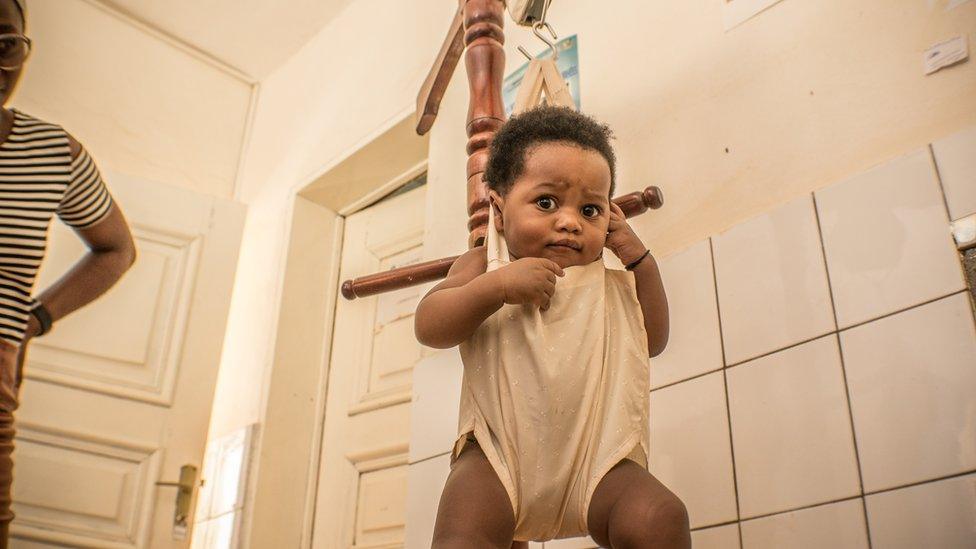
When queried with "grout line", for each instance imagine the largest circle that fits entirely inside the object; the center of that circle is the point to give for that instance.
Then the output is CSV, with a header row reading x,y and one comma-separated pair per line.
x,y
774,351
938,179
803,508
852,326
945,202
850,498
921,482
716,525
680,381
725,384
843,368
428,458
909,308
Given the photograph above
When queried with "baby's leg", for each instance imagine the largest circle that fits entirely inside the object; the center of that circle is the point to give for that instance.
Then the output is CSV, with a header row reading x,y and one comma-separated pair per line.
x,y
474,511
631,509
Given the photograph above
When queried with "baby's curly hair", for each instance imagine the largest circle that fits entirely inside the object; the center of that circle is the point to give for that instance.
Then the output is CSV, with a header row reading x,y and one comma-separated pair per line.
x,y
506,157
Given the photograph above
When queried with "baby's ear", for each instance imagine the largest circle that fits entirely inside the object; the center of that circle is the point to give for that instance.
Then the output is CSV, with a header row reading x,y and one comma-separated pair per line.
x,y
497,203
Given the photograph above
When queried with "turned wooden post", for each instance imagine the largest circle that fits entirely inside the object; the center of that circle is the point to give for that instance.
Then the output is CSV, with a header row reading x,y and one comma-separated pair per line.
x,y
484,58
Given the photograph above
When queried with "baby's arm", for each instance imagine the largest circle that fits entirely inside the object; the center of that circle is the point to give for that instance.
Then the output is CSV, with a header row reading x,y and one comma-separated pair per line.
x,y
456,307
627,246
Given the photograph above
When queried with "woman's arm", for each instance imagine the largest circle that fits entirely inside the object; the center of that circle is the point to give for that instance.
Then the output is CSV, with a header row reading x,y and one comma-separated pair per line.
x,y
111,252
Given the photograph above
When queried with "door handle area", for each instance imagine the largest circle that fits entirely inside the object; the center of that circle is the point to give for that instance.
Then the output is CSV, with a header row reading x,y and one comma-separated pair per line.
x,y
184,497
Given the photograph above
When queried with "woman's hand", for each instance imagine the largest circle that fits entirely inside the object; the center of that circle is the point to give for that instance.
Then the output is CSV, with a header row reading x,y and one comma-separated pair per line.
x,y
621,238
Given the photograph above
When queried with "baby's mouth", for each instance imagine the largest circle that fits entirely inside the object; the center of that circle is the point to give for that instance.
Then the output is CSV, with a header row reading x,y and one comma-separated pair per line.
x,y
566,244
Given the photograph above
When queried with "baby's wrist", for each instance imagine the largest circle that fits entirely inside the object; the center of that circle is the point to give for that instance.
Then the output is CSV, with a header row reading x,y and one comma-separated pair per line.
x,y
632,253
494,287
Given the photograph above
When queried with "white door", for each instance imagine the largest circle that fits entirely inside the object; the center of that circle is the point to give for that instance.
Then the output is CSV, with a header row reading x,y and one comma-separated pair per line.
x,y
118,396
362,484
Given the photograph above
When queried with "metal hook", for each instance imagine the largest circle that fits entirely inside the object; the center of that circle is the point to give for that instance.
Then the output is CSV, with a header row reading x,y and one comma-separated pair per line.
x,y
535,30
552,45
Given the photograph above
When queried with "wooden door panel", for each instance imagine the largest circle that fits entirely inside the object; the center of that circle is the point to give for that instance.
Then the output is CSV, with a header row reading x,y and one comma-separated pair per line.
x,y
361,500
135,350
118,396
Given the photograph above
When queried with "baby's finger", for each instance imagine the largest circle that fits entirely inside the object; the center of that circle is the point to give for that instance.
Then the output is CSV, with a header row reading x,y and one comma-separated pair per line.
x,y
549,289
614,208
554,267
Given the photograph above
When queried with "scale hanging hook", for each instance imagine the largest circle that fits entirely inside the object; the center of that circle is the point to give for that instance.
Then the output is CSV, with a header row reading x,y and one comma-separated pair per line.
x,y
536,30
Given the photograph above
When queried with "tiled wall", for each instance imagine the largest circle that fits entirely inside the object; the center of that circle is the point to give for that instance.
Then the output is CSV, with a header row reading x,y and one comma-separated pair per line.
x,y
819,388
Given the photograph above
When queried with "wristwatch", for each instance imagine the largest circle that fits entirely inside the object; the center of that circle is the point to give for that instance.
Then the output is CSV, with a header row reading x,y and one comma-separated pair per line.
x,y
43,317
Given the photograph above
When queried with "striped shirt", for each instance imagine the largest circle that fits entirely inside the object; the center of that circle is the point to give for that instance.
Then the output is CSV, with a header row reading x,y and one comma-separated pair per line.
x,y
38,178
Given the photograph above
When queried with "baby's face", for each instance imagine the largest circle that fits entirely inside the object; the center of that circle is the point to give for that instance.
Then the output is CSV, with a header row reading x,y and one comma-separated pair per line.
x,y
559,208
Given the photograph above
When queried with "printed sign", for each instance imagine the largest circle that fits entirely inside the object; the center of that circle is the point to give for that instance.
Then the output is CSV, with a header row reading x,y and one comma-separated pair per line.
x,y
568,65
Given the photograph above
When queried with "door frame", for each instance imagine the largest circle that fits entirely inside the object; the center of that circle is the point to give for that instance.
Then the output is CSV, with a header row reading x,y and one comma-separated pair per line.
x,y
281,492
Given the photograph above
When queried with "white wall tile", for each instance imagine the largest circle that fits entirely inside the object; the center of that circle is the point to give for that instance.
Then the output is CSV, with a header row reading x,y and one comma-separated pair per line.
x,y
434,411
695,344
772,283
956,157
572,543
912,379
791,430
720,537
837,526
937,514
425,482
886,240
690,451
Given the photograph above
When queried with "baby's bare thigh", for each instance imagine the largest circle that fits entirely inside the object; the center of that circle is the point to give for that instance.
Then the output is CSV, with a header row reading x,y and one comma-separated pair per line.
x,y
474,511
632,508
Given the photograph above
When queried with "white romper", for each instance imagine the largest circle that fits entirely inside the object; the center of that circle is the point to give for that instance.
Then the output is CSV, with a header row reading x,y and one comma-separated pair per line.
x,y
556,398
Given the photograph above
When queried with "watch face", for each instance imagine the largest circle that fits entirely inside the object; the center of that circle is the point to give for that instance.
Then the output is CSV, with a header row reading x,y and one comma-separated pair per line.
x,y
526,12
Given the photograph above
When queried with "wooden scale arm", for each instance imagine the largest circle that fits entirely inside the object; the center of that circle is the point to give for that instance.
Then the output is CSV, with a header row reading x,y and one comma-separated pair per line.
x,y
431,93
632,204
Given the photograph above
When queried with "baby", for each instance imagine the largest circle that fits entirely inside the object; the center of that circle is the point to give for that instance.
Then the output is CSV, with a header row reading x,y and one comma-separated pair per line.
x,y
554,408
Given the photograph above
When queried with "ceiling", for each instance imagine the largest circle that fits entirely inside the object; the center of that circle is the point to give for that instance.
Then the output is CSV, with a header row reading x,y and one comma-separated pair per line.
x,y
252,36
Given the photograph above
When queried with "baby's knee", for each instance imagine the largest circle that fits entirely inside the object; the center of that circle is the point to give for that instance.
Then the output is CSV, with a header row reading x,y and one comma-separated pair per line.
x,y
656,523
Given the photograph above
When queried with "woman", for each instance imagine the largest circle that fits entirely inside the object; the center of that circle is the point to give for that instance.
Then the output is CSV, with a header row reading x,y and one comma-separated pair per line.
x,y
43,172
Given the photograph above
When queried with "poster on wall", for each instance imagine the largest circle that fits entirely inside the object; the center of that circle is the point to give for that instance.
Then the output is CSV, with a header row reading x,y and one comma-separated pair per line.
x,y
567,63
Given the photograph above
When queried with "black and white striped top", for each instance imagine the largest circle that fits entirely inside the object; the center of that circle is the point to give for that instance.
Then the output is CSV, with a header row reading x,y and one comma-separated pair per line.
x,y
38,178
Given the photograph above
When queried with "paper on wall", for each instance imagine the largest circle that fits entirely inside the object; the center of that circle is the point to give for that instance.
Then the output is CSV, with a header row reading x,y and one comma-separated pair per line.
x,y
946,53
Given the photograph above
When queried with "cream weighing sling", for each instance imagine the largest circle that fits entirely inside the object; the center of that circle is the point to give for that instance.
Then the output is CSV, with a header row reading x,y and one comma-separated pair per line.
x,y
556,398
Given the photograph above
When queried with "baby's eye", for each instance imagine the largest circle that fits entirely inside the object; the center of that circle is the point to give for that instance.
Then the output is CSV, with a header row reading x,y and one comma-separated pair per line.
x,y
591,211
545,202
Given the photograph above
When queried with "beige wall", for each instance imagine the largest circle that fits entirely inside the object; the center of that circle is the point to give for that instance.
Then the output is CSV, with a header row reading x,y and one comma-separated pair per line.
x,y
144,105
802,95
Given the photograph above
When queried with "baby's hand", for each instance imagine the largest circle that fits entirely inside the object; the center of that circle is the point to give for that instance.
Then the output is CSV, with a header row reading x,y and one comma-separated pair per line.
x,y
529,280
621,238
